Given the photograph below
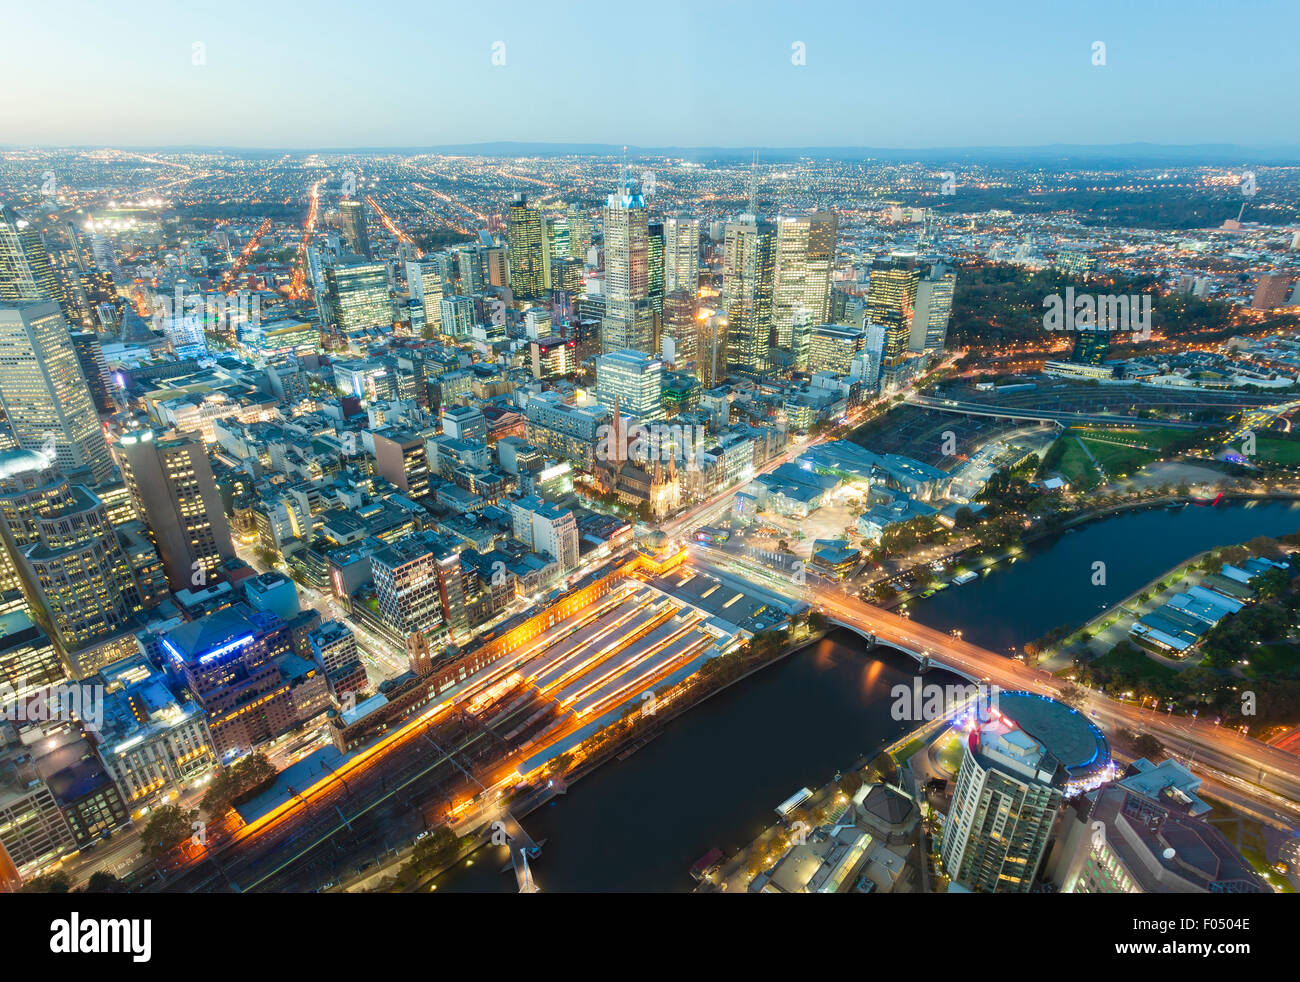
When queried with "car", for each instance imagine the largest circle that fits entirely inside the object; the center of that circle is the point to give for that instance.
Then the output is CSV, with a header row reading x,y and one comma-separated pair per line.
x,y
421,835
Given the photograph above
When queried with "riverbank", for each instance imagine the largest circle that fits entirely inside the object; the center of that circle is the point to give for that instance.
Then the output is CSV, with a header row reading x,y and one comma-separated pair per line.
x,y
712,779
981,564
668,707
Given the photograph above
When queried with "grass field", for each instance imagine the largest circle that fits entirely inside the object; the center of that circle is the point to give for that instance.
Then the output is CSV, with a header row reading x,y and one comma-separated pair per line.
x,y
1278,451
904,753
1119,461
1075,466
1124,451
1155,438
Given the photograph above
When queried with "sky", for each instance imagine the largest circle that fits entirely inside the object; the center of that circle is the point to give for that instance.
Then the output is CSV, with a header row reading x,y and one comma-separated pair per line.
x,y
399,73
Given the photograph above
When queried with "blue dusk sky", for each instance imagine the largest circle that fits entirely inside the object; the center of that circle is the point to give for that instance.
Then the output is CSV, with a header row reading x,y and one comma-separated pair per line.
x,y
401,73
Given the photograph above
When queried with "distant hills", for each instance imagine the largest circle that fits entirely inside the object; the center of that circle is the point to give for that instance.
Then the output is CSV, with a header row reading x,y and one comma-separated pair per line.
x,y
1061,154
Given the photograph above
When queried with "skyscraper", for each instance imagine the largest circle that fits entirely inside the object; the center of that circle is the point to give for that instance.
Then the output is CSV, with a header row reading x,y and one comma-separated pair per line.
x,y
680,325
747,281
805,251
629,313
352,220
832,348
72,565
424,279
358,296
1008,790
682,254
655,272
90,356
43,393
26,275
933,310
527,248
400,458
419,588
891,303
170,478
634,381
579,233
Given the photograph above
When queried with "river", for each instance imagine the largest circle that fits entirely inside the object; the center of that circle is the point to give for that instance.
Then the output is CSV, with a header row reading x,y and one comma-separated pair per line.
x,y
715,775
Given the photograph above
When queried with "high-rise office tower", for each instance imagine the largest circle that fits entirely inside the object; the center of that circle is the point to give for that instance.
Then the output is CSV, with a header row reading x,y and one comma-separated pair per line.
x,y
419,588
682,254
891,303
832,348
358,296
632,380
546,527
43,393
933,310
747,282
1148,834
352,221
469,270
170,478
805,251
230,660
1008,791
457,316
579,233
90,356
557,248
101,293
629,313
26,274
28,659
424,279
801,334
655,270
524,235
22,493
70,560
680,325
494,260
873,357
557,237
711,359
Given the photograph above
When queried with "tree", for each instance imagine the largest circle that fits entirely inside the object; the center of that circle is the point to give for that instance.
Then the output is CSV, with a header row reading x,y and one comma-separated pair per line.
x,y
1147,746
238,782
817,621
102,882
850,783
885,767
56,882
1072,695
166,829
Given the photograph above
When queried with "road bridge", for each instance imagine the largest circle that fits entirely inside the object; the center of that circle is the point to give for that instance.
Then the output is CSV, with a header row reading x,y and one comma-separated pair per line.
x,y
918,651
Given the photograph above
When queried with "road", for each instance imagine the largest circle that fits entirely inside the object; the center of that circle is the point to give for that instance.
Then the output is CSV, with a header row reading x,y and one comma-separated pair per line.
x,y
1245,763
1269,776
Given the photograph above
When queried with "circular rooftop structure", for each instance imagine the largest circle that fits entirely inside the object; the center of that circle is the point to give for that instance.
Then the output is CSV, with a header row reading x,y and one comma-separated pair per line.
x,y
1064,732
